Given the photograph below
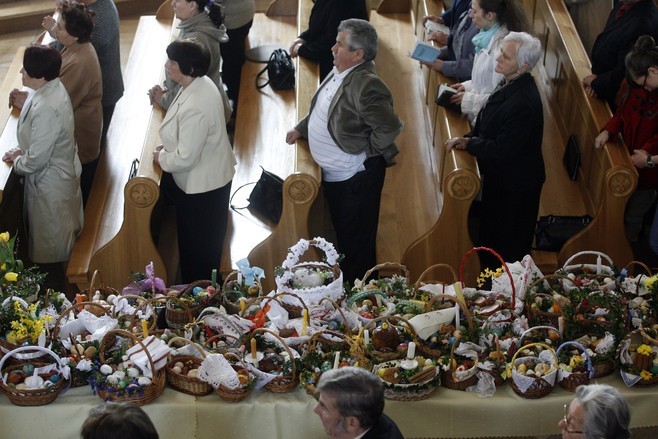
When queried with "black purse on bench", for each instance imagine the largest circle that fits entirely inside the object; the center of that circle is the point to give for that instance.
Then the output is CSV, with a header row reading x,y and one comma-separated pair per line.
x,y
553,231
266,198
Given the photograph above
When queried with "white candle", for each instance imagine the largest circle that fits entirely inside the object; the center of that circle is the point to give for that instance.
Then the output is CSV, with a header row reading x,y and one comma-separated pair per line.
x,y
378,299
239,278
366,337
598,264
411,351
457,325
336,360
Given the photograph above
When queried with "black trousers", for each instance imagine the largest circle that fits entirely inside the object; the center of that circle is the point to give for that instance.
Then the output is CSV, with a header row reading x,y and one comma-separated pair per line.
x,y
87,179
354,208
508,219
233,59
201,221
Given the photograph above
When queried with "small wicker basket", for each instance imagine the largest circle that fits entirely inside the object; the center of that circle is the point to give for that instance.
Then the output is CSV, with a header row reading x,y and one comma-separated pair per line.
x,y
182,383
31,397
232,293
286,382
178,318
540,387
377,354
569,381
631,362
245,389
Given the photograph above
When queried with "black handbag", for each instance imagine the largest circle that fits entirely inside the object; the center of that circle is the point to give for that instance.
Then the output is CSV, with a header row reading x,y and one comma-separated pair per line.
x,y
280,71
553,231
571,158
266,198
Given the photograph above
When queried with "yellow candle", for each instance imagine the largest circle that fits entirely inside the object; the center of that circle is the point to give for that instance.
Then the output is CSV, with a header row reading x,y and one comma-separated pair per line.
x,y
304,321
253,349
145,328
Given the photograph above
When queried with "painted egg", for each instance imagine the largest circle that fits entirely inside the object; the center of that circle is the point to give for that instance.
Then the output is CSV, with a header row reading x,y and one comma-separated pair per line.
x,y
106,369
143,381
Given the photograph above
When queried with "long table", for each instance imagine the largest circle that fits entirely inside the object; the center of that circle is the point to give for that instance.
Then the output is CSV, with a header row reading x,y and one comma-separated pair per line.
x,y
446,414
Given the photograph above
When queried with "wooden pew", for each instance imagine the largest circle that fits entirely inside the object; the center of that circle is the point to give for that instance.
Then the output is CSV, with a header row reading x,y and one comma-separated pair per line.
x,y
116,237
301,187
457,179
607,177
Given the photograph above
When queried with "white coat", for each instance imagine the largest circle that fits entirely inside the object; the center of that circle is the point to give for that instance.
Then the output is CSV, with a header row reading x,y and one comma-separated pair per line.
x,y
484,78
196,149
50,164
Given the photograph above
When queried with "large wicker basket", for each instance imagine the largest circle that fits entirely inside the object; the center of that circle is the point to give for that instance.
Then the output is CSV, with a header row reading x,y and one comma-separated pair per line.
x,y
150,392
233,292
183,383
440,347
540,387
629,359
286,382
31,397
427,382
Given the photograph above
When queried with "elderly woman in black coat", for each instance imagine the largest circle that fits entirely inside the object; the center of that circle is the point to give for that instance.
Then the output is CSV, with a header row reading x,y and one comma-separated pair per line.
x,y
507,140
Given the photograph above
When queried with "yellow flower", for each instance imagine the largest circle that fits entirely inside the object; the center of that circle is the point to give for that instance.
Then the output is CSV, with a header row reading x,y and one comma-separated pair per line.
x,y
4,236
10,276
646,375
649,281
3,267
644,349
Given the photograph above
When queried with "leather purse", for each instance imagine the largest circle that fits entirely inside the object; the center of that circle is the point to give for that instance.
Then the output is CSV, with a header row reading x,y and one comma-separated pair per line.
x,y
265,199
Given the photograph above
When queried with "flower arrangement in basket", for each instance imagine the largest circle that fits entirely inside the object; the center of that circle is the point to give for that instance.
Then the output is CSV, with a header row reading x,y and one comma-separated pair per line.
x,y
33,383
145,284
533,375
594,277
595,313
412,379
313,281
394,289
15,279
183,370
76,337
601,350
636,354
575,366
241,285
191,301
327,350
22,324
273,362
129,370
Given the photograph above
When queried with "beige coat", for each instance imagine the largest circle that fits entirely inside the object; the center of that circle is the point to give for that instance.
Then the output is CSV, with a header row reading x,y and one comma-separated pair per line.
x,y
196,149
52,200
81,75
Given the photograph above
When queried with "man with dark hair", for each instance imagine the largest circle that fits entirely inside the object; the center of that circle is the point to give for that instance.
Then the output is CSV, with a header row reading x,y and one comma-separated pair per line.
x,y
351,130
118,421
351,405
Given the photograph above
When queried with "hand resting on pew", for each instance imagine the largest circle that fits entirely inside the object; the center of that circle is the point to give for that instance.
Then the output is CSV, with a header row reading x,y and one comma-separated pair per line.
x,y
155,94
601,139
10,156
292,136
459,143
17,98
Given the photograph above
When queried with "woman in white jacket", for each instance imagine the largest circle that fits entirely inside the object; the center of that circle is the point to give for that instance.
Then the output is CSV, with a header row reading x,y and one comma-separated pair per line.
x,y
197,159
495,19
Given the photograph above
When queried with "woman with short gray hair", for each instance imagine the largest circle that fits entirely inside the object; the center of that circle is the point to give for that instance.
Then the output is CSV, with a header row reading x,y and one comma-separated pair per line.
x,y
598,412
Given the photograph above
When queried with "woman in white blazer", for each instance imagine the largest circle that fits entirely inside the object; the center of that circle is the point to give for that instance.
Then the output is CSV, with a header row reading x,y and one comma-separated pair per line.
x,y
47,157
197,160
495,19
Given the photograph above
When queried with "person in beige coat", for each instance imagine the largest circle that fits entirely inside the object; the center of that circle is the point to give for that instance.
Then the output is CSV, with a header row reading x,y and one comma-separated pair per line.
x,y
197,160
46,156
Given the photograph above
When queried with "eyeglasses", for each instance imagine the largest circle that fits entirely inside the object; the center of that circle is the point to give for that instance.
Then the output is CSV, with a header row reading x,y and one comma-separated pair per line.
x,y
566,421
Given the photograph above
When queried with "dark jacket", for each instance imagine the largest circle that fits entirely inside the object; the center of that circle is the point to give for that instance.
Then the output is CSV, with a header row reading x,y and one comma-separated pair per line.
x,y
507,136
451,16
615,41
322,30
384,429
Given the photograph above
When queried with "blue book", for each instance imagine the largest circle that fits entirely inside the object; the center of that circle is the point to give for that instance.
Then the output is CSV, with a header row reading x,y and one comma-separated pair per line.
x,y
425,52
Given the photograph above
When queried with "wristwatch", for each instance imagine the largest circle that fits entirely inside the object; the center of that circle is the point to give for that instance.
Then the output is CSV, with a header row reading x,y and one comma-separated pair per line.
x,y
650,163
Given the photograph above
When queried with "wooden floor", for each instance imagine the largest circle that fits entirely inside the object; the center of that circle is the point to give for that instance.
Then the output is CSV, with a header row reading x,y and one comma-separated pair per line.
x,y
410,203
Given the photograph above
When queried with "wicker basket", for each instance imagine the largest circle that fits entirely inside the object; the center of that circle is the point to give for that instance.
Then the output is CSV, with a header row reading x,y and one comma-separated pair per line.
x,y
150,392
232,292
31,397
427,383
498,356
539,387
592,272
178,318
393,268
281,383
286,300
569,381
96,286
182,383
78,377
6,347
241,392
536,334
629,361
440,348
378,355
449,378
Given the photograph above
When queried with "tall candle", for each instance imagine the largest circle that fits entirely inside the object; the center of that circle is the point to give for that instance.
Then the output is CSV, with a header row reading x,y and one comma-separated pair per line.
x,y
239,278
598,264
253,349
145,328
336,360
214,277
457,324
411,351
366,337
458,291
304,321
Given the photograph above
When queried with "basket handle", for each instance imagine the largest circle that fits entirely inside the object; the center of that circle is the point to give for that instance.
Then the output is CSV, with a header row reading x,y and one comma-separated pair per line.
x,y
275,297
590,367
73,308
537,281
337,307
131,337
11,353
500,259
642,265
190,342
373,324
92,284
531,345
585,253
206,345
390,265
429,269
